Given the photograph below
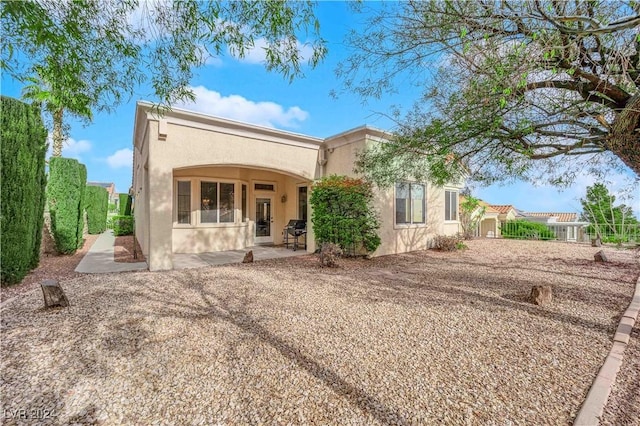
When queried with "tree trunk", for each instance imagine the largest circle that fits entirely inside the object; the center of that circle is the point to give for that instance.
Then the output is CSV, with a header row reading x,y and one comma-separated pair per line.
x,y
624,139
58,134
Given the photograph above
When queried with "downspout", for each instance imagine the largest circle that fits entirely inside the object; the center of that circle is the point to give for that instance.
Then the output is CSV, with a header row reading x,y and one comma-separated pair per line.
x,y
322,161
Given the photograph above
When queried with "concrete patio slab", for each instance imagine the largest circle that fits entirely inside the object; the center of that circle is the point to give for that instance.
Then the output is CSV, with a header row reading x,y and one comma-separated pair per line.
x,y
187,261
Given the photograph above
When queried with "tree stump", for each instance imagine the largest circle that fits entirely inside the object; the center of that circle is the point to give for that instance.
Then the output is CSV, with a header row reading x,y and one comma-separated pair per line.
x,y
53,294
541,295
600,256
248,257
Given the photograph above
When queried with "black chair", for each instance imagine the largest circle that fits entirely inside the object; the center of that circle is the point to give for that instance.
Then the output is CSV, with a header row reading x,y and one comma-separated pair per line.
x,y
295,229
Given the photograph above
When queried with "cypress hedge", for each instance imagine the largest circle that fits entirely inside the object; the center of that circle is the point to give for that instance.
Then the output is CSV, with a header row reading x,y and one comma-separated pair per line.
x,y
125,204
97,203
65,193
81,207
22,196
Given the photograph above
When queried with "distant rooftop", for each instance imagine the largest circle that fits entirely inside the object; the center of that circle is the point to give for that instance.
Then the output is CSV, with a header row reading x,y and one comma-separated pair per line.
x,y
560,217
502,208
102,184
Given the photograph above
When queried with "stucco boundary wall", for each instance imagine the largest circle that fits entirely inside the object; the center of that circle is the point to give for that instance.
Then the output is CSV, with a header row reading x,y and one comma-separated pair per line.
x,y
592,408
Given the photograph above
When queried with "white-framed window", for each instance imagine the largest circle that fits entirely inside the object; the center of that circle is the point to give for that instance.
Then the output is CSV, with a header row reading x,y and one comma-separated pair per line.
x,y
410,203
450,205
217,203
245,212
183,202
205,201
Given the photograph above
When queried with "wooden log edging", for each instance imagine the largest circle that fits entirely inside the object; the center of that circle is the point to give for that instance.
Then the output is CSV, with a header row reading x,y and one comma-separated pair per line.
x,y
593,406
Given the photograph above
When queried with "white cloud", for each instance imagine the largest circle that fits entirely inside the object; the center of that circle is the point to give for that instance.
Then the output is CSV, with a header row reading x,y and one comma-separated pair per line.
x,y
121,158
236,107
257,54
71,148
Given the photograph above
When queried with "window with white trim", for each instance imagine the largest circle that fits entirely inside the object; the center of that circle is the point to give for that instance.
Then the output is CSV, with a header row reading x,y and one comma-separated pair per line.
x,y
410,203
450,205
217,202
184,202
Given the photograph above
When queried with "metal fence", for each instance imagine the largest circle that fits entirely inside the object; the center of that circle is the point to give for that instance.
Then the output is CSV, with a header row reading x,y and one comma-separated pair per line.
x,y
609,234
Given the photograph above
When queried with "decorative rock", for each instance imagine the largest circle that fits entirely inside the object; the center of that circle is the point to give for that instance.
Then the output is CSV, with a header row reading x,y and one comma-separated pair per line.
x,y
600,256
541,295
248,257
53,294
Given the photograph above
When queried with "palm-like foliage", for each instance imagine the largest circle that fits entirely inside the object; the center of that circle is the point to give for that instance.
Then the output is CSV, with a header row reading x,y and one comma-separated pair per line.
x,y
56,101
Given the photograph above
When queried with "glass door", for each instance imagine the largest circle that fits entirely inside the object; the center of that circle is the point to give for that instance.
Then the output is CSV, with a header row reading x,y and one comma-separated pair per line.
x,y
264,220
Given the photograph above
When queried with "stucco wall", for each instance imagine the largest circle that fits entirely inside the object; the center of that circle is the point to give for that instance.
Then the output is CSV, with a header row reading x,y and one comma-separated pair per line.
x,y
341,157
196,147
175,148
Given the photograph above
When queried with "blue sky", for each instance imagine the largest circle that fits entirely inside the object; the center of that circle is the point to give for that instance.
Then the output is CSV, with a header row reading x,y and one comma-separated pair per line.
x,y
244,91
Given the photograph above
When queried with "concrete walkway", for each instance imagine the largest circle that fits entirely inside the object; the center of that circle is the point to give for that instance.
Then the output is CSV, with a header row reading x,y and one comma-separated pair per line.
x,y
186,261
99,259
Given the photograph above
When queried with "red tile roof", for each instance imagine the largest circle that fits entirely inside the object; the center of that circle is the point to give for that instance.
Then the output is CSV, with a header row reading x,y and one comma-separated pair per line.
x,y
503,208
560,217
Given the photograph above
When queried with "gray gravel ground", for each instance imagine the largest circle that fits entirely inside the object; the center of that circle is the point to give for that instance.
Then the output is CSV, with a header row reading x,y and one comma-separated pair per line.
x,y
419,338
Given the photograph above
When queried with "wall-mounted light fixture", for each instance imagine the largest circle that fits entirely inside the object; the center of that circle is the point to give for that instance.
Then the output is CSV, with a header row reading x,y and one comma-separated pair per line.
x,y
284,198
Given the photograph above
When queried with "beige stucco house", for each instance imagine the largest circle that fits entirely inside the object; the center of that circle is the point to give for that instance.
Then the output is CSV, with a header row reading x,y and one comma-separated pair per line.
x,y
206,184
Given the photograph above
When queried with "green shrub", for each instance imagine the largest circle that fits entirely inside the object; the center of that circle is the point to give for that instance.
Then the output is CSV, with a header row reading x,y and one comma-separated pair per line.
x,y
125,204
112,207
22,198
343,214
122,225
97,203
65,190
525,230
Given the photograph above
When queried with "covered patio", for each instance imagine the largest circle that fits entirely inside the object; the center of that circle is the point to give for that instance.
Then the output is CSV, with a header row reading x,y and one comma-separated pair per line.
x,y
201,260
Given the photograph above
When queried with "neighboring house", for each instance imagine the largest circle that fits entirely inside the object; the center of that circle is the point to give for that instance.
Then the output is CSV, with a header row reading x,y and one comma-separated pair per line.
x,y
111,189
490,224
506,212
205,184
566,226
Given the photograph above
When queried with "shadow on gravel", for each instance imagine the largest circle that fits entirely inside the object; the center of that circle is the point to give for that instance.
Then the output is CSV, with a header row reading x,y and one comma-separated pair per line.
x,y
408,288
223,309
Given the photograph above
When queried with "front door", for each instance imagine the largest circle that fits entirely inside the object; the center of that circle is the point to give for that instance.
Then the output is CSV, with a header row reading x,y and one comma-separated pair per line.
x,y
264,220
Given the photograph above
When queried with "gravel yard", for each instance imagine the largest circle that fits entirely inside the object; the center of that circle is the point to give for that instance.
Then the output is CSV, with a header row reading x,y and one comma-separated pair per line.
x,y
419,338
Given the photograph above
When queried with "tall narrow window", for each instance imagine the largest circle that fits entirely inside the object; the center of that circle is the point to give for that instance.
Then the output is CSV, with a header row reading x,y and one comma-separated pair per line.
x,y
403,209
244,203
302,203
184,202
226,202
410,203
417,203
450,205
208,202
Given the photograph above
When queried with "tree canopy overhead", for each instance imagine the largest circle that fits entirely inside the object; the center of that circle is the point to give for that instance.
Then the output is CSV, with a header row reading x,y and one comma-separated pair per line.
x,y
510,89
100,51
